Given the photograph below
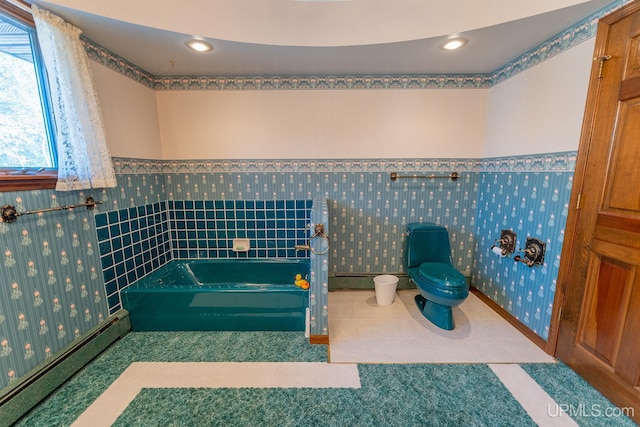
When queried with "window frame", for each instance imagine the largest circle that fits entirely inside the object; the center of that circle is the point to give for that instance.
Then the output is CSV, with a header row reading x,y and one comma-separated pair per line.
x,y
31,178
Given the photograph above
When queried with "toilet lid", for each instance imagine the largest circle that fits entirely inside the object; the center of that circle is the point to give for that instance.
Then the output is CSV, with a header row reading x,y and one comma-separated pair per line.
x,y
442,274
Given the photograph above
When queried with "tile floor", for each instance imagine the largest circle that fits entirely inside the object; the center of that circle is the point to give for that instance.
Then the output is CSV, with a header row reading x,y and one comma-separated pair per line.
x,y
360,331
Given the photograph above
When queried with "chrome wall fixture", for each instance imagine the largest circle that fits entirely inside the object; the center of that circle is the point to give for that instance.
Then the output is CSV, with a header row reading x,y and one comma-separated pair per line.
x,y
453,176
318,232
10,214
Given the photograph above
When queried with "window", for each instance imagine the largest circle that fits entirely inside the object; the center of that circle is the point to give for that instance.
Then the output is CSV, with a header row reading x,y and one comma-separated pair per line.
x,y
27,149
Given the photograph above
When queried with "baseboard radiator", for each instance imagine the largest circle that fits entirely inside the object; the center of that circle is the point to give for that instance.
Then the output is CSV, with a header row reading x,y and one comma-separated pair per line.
x,y
353,274
353,280
46,377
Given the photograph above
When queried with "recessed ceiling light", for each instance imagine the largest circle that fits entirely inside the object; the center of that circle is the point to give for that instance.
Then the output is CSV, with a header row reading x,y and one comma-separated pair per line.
x,y
453,44
199,45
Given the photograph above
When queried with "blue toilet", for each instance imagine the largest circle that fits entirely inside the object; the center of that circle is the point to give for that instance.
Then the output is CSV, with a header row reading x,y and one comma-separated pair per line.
x,y
428,262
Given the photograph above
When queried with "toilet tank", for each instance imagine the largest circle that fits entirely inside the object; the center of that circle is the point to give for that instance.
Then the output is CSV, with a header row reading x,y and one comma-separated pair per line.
x,y
426,242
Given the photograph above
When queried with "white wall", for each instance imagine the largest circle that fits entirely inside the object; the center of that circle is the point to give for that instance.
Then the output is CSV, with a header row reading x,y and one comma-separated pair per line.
x,y
541,109
537,111
130,114
322,123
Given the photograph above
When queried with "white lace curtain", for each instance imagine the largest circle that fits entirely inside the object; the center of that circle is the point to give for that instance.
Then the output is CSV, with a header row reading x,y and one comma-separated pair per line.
x,y
83,156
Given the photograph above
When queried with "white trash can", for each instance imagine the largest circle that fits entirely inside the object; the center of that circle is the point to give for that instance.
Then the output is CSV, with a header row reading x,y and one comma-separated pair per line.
x,y
385,289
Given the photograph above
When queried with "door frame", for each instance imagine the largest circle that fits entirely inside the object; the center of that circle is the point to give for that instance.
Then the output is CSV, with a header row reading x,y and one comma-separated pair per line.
x,y
571,242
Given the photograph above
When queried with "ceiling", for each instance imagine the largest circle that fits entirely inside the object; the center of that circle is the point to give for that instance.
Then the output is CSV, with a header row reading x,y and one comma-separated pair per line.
x,y
336,37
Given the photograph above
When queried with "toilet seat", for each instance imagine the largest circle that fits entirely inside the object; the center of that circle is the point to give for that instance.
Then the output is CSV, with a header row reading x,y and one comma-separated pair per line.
x,y
442,282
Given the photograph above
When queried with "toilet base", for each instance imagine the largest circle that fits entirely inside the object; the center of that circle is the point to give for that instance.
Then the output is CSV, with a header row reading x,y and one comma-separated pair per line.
x,y
438,314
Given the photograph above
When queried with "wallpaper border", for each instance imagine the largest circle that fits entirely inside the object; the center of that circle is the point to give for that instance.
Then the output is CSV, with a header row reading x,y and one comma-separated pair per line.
x,y
556,162
564,40
546,162
421,81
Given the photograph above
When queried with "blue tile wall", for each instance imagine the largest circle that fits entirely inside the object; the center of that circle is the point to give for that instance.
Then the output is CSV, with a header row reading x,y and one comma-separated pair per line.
x,y
133,242
206,228
532,200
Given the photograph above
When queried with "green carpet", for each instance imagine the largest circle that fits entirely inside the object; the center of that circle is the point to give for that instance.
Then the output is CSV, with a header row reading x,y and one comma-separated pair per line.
x,y
391,395
66,404
586,405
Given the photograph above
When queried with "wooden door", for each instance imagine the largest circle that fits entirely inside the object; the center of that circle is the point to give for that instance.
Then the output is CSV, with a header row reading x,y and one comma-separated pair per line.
x,y
598,300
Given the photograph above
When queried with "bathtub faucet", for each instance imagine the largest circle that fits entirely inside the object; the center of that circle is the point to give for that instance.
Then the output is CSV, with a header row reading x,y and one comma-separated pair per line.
x,y
302,247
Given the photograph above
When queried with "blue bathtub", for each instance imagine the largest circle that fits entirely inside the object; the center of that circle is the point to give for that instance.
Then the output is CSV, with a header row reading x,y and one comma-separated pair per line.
x,y
220,295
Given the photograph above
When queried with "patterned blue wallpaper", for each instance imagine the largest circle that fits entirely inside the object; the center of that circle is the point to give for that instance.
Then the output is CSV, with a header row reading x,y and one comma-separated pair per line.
x,y
51,288
51,284
51,281
368,212
319,281
530,197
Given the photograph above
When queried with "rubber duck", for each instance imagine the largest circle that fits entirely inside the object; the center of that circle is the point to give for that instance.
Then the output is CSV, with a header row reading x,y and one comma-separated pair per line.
x,y
301,282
